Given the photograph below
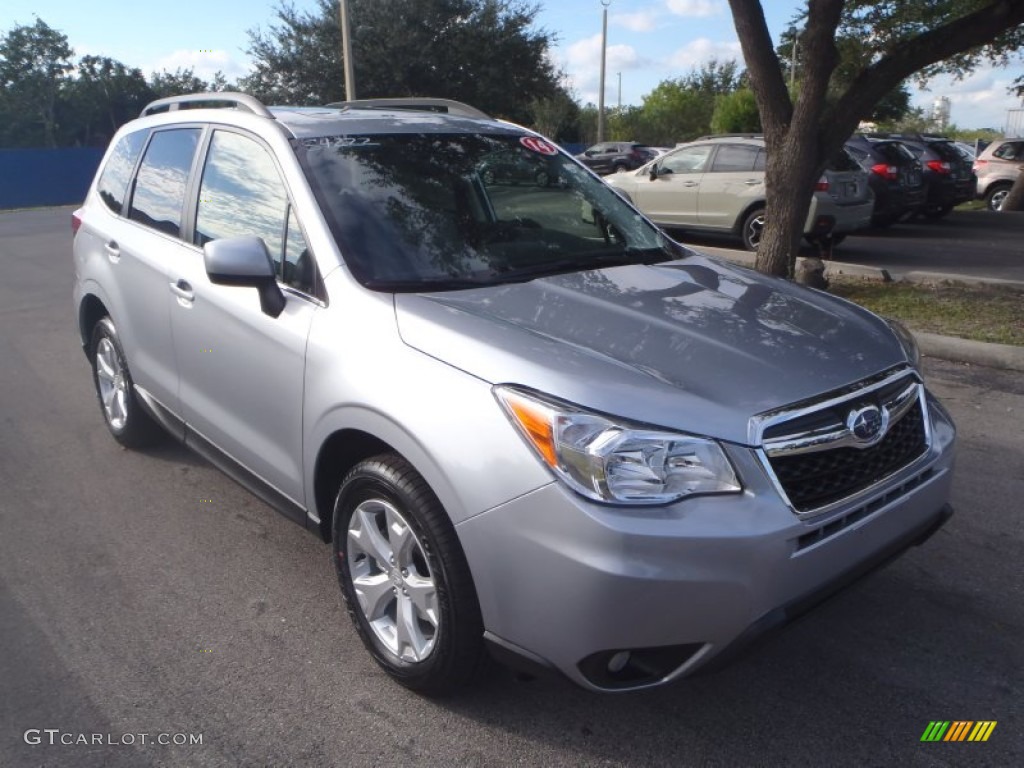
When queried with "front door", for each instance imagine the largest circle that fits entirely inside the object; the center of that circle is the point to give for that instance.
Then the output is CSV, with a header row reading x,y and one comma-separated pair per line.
x,y
242,371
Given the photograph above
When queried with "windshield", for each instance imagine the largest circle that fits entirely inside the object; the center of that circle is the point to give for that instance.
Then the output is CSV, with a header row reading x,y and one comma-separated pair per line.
x,y
435,211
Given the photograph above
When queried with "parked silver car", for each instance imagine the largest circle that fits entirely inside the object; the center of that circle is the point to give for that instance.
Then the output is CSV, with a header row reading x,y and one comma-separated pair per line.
x,y
717,184
997,167
584,448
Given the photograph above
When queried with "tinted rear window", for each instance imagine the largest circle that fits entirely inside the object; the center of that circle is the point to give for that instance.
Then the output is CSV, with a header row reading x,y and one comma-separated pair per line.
x,y
842,161
893,152
117,172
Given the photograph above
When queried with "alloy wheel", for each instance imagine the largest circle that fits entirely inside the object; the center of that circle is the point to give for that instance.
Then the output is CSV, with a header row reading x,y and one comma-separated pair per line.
x,y
395,589
113,384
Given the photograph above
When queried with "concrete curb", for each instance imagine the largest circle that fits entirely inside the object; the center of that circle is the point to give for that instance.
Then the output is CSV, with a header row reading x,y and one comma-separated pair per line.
x,y
926,278
1005,356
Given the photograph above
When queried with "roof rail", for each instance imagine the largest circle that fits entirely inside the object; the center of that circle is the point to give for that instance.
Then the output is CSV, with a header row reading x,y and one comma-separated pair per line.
x,y
414,104
730,136
237,101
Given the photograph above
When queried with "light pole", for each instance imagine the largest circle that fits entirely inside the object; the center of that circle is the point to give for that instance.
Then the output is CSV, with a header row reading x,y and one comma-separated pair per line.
x,y
792,59
604,49
346,53
620,91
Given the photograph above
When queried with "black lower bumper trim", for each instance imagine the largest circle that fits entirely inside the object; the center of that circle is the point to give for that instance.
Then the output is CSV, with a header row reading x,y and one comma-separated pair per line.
x,y
780,617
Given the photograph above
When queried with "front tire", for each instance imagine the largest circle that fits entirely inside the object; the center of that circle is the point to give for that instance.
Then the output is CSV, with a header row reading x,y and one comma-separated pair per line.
x,y
405,579
124,415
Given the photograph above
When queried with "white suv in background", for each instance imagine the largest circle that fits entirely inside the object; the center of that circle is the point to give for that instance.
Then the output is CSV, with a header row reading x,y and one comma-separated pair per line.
x,y
717,183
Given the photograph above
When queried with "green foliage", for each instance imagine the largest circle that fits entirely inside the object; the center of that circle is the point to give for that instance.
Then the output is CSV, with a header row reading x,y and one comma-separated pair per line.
x,y
556,117
483,52
103,95
736,112
34,63
182,81
675,112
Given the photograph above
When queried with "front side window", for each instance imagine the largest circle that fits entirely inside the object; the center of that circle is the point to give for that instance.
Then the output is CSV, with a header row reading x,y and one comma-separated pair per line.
x,y
159,196
688,160
424,211
1009,151
113,183
242,195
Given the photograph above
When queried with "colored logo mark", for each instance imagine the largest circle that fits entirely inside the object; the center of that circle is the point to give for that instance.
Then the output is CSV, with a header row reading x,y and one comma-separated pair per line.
x,y
958,730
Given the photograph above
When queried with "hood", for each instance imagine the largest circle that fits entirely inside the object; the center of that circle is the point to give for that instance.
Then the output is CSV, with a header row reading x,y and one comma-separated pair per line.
x,y
696,345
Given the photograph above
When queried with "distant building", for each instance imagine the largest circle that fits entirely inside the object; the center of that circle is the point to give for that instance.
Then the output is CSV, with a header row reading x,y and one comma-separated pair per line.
x,y
940,113
1014,123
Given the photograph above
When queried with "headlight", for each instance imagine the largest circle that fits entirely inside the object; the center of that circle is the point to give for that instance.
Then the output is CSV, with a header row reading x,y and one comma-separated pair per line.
x,y
611,462
907,341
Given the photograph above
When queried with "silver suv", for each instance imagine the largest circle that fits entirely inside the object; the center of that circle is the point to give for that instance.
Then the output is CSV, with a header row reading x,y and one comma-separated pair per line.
x,y
718,184
997,167
584,448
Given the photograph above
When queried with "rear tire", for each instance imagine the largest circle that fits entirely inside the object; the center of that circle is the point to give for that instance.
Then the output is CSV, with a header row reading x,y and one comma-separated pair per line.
x,y
620,168
996,195
753,226
123,414
405,579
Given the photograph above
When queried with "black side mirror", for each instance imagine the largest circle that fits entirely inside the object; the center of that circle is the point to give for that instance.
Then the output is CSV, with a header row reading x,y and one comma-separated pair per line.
x,y
244,261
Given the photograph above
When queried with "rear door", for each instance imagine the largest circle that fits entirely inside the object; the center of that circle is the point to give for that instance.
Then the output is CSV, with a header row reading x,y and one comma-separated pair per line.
x,y
733,180
145,246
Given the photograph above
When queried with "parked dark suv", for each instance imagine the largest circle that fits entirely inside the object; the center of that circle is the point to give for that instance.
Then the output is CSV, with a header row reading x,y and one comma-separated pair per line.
x,y
896,177
947,173
616,156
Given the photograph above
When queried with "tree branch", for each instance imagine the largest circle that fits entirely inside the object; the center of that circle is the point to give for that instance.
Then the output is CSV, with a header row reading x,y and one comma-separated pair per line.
x,y
970,31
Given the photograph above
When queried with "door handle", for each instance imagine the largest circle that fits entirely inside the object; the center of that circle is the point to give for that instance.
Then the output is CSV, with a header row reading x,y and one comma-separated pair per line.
x,y
691,183
752,182
113,250
183,290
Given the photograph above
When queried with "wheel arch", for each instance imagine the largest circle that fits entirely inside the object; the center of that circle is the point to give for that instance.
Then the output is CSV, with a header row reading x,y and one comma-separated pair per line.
x,y
341,451
356,434
90,311
737,226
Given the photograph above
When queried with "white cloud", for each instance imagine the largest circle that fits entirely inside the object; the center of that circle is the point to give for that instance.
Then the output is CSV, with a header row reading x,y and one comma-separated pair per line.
x,y
582,62
641,21
204,63
694,8
702,50
980,100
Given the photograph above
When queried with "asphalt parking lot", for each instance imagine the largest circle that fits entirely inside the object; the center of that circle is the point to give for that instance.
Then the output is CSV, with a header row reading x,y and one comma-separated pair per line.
x,y
975,243
146,593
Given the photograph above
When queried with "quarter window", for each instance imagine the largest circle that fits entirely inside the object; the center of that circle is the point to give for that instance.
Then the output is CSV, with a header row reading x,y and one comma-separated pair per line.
x,y
159,195
113,183
242,195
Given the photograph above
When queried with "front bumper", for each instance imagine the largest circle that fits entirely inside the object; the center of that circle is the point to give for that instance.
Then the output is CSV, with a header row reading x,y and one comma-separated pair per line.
x,y
571,585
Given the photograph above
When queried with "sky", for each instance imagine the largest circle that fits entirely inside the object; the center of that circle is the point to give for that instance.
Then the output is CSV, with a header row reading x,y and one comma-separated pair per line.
x,y
648,41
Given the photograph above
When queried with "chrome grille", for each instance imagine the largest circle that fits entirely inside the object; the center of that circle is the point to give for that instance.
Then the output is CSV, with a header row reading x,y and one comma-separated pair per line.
x,y
818,456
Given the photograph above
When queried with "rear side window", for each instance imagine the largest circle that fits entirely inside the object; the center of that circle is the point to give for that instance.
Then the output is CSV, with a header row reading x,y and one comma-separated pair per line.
x,y
113,183
1009,151
735,157
159,195
894,153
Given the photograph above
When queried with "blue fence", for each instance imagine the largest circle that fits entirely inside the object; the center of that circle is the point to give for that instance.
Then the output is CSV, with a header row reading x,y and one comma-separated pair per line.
x,y
34,177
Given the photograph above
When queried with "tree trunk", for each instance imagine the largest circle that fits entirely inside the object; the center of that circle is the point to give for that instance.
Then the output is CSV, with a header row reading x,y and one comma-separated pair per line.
x,y
1015,200
786,212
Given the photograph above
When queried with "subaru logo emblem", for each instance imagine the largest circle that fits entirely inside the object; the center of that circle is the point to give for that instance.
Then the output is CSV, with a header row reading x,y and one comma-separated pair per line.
x,y
867,424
